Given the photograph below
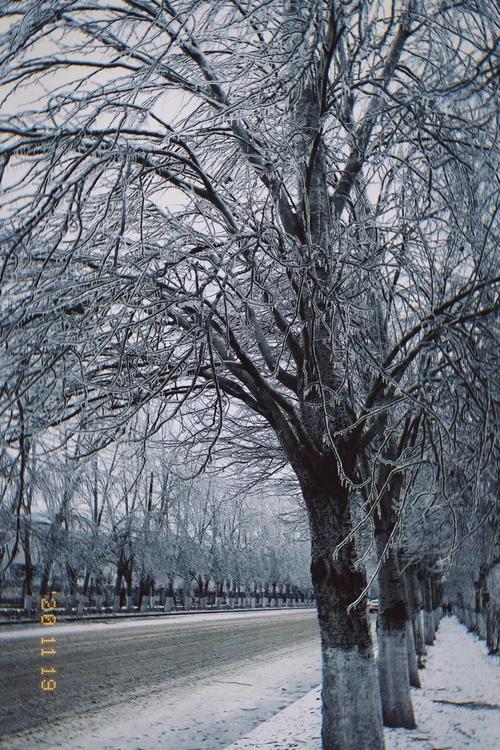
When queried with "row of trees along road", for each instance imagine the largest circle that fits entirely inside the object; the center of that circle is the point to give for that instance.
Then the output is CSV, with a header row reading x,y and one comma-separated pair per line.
x,y
126,523
280,214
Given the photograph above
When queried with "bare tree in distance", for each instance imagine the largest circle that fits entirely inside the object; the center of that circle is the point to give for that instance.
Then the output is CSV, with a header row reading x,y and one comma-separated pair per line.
x,y
283,204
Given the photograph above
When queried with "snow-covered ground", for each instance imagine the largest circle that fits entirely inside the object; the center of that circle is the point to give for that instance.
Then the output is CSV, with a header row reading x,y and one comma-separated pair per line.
x,y
458,706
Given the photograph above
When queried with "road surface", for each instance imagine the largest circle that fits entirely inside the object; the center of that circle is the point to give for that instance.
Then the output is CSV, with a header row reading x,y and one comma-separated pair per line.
x,y
183,682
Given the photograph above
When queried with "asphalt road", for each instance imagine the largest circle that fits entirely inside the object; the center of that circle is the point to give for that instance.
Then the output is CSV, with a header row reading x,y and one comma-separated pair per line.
x,y
100,666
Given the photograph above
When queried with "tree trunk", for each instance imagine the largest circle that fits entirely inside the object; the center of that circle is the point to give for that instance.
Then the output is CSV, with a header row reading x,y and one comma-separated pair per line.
x,y
29,570
436,602
484,598
44,582
29,574
410,630
117,592
412,656
266,600
145,593
416,608
351,716
477,607
72,578
28,587
161,596
274,598
492,618
393,623
128,579
410,637
429,629
219,592
460,608
82,599
98,594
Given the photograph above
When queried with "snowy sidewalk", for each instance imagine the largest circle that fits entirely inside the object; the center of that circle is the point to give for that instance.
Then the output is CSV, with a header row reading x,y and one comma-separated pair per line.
x,y
458,706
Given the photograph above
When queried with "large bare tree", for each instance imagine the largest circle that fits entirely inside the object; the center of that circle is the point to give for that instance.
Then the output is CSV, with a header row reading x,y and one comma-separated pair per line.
x,y
286,204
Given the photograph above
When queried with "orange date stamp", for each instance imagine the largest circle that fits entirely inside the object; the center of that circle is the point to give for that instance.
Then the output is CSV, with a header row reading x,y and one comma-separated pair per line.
x,y
48,645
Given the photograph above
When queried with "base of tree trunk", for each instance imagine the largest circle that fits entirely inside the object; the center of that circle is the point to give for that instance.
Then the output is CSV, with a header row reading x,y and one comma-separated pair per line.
x,y
429,629
437,618
394,679
351,705
418,629
481,625
412,656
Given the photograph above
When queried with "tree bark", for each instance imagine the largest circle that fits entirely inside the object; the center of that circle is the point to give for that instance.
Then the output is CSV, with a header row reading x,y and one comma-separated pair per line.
x,y
416,609
351,715
82,599
436,602
145,593
117,591
429,629
44,582
492,618
410,636
29,570
72,578
128,579
393,622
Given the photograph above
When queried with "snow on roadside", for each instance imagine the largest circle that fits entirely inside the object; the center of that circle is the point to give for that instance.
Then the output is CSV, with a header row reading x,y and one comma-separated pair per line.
x,y
35,630
206,714
458,707
297,726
